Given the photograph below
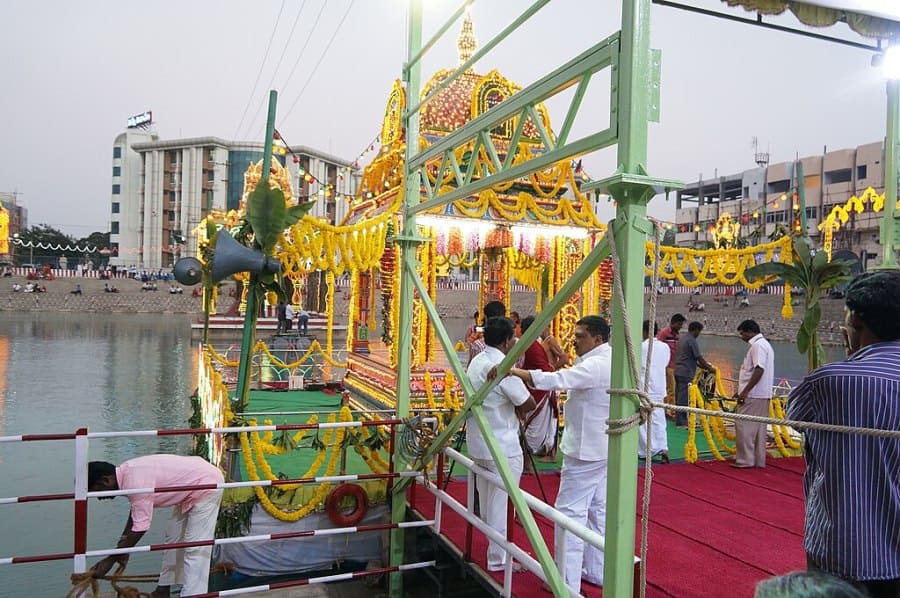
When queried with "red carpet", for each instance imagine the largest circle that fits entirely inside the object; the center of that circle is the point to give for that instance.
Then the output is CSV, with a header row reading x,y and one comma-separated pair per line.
x,y
714,530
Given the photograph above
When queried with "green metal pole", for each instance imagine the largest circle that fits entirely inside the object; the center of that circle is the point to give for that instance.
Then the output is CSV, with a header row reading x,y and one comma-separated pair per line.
x,y
409,266
888,222
250,317
801,197
630,227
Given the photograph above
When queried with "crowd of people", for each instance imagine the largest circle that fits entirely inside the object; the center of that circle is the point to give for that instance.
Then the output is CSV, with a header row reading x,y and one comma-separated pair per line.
x,y
851,484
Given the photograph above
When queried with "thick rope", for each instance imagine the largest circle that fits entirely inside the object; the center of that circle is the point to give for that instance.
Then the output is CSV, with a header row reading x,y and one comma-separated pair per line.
x,y
82,582
798,425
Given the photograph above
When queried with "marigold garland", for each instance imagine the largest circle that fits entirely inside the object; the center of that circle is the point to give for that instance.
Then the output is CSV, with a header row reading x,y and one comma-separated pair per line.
x,y
257,456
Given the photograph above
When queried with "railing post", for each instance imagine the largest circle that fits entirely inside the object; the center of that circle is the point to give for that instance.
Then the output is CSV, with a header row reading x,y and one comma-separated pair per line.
x,y
79,562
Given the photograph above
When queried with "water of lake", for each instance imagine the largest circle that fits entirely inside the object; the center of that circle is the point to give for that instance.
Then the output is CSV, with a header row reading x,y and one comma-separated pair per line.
x,y
60,372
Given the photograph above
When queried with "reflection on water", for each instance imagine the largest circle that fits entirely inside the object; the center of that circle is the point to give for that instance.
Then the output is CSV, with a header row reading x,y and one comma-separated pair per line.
x,y
60,372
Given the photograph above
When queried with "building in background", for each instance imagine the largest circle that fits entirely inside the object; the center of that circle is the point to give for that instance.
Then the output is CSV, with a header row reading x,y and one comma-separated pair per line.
x,y
773,196
162,189
17,221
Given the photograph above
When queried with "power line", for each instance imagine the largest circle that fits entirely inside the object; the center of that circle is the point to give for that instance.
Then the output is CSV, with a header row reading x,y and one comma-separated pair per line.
x,y
287,43
259,73
321,58
296,62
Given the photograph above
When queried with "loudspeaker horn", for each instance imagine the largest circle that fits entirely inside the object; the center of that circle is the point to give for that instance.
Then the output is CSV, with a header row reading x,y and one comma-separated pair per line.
x,y
188,271
230,257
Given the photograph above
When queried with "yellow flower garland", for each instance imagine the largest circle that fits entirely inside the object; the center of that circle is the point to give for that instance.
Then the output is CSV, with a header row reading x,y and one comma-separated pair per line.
x,y
321,491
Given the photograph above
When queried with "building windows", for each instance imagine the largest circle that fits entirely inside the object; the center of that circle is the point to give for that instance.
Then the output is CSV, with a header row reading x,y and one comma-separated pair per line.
x,y
812,212
861,171
116,189
779,186
838,176
115,207
114,227
117,171
117,151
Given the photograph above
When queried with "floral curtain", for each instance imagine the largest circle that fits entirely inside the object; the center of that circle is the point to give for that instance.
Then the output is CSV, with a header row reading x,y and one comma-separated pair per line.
x,y
817,16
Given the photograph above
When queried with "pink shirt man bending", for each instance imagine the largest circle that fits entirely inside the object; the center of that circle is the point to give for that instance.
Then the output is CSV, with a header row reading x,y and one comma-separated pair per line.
x,y
193,517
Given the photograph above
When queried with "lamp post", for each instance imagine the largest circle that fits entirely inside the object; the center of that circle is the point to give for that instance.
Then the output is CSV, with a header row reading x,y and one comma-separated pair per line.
x,y
891,66
18,241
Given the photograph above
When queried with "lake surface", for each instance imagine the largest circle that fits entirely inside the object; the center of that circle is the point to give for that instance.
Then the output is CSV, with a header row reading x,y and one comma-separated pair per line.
x,y
60,372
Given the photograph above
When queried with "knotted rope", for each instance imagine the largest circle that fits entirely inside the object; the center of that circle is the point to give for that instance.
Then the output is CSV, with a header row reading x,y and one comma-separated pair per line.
x,y
645,406
82,582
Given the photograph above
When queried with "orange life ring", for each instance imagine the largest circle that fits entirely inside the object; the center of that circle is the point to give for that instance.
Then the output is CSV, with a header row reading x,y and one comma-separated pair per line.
x,y
333,504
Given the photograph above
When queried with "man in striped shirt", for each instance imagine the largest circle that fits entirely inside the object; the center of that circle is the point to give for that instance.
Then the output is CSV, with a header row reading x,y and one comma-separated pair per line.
x,y
852,482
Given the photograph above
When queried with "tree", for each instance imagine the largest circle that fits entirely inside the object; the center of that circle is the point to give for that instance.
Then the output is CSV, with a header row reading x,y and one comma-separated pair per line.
x,y
814,274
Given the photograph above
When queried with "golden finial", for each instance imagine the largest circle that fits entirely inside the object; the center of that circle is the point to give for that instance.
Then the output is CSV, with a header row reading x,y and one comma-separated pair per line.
x,y
466,43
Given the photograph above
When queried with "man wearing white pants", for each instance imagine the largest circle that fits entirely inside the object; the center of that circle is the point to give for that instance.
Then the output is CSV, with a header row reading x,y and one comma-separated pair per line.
x,y
659,358
582,487
502,408
193,518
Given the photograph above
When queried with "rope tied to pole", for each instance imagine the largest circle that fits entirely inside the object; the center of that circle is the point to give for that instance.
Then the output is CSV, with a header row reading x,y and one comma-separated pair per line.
x,y
84,582
645,405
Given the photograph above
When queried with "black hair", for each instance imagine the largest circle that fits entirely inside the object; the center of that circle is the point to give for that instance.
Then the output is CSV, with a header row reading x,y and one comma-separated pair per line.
x,y
875,298
695,326
749,326
596,326
526,323
99,469
647,328
498,330
807,584
677,318
494,309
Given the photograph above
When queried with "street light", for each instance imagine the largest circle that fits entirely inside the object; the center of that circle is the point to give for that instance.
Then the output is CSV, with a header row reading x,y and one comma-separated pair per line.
x,y
18,241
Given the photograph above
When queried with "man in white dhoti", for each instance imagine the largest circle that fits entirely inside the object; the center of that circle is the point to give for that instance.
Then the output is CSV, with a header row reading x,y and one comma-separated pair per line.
x,y
502,408
659,358
582,487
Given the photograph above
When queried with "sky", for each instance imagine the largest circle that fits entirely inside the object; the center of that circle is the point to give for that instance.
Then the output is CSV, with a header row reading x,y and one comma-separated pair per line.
x,y
73,72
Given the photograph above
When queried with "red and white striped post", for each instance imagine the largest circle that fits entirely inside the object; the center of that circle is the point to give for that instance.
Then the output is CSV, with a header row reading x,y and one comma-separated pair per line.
x,y
79,562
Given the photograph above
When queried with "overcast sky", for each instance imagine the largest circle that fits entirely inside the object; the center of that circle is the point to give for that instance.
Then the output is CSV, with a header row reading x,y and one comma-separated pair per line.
x,y
73,72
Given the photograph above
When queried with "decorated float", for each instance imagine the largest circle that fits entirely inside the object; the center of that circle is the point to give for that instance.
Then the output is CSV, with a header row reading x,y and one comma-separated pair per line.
x,y
535,230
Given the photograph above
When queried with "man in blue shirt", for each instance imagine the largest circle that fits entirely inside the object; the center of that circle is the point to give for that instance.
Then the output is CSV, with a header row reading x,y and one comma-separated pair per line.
x,y
852,482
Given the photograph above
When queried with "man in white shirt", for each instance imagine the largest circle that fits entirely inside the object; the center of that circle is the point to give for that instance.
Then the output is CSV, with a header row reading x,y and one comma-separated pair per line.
x,y
503,407
755,383
582,487
659,359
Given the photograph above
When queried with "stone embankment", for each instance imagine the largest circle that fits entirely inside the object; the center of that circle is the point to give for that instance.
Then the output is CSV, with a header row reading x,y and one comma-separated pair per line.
x,y
719,318
129,299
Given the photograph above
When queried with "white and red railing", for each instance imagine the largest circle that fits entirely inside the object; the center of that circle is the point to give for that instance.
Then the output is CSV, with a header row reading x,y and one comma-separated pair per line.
x,y
80,495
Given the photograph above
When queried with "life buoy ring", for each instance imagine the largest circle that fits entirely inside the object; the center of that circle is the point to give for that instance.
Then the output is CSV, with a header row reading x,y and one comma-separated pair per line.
x,y
333,504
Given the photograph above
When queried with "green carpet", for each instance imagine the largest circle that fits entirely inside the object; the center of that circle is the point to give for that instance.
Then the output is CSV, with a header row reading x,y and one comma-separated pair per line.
x,y
295,463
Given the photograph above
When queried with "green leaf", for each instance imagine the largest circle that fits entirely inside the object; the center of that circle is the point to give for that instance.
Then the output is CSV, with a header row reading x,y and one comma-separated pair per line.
x,y
266,213
295,213
802,340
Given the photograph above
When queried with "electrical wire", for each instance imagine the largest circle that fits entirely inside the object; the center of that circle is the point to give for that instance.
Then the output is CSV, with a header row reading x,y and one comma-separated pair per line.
x,y
321,58
259,73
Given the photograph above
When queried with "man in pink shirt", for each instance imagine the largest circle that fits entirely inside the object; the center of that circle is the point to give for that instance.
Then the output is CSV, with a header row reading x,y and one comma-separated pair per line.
x,y
193,515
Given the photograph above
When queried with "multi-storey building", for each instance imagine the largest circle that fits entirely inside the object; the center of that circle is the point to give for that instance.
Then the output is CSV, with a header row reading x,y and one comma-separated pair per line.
x,y
776,195
162,189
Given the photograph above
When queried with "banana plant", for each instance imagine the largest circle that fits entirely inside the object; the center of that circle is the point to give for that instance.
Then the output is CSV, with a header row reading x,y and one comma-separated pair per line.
x,y
814,274
268,216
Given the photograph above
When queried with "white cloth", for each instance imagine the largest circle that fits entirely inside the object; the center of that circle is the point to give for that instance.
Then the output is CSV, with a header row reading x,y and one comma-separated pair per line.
x,y
760,354
542,427
190,566
587,405
582,498
657,390
492,502
499,407
288,312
